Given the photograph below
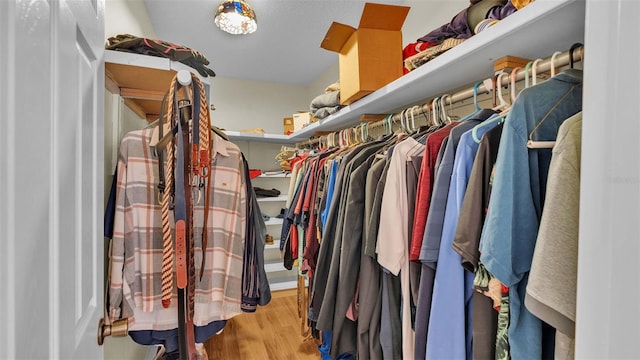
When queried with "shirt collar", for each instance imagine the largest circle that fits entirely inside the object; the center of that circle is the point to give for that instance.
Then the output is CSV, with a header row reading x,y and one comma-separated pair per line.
x,y
219,146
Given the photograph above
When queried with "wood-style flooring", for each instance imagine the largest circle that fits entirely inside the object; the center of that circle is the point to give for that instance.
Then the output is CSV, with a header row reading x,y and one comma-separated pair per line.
x,y
272,332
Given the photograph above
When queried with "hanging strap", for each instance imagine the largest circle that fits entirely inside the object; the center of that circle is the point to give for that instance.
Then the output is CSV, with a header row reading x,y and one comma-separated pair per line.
x,y
206,217
159,151
167,250
203,142
183,214
180,214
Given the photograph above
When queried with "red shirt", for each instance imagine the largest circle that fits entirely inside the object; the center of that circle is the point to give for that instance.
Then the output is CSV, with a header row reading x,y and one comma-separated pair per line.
x,y
425,187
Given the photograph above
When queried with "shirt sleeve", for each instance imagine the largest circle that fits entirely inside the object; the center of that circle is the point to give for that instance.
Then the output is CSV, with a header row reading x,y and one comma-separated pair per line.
x,y
120,228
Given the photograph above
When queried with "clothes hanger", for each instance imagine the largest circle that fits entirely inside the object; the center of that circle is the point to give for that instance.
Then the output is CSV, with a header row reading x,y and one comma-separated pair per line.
x,y
535,144
475,95
503,105
553,63
571,50
445,117
426,113
366,132
526,74
434,112
402,119
534,67
475,102
407,129
512,83
385,122
413,118
496,88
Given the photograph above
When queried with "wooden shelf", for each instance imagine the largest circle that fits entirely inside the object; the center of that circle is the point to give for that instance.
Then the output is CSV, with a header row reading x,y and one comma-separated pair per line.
x,y
142,80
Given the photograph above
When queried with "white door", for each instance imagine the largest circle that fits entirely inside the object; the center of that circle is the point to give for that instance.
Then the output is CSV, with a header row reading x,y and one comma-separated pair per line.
x,y
51,177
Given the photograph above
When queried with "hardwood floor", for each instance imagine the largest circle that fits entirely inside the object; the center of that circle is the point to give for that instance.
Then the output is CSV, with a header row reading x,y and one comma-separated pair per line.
x,y
272,332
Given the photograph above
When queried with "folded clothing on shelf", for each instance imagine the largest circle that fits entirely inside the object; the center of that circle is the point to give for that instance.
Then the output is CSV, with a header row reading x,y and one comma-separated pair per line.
x,y
260,192
431,53
161,48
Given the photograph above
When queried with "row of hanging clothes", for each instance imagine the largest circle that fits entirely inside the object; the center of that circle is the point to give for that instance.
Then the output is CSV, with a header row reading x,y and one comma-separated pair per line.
x,y
431,242
187,235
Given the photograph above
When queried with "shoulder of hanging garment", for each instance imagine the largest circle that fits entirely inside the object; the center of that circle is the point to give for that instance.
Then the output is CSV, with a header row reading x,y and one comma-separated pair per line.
x,y
222,146
573,76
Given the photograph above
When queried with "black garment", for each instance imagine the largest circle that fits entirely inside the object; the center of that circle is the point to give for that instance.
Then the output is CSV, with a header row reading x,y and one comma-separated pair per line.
x,y
160,48
110,211
169,338
260,192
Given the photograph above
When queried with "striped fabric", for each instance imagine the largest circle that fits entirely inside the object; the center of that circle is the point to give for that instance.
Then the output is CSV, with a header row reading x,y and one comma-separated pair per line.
x,y
136,259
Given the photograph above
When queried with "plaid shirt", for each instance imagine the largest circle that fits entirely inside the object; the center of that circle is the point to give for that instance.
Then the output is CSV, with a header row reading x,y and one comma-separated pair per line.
x,y
136,256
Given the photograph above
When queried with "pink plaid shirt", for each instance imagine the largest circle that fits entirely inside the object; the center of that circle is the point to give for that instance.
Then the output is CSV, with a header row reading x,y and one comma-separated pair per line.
x,y
136,256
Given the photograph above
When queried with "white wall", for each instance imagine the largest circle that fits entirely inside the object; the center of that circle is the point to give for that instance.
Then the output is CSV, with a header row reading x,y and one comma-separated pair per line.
x,y
127,17
607,313
242,104
327,77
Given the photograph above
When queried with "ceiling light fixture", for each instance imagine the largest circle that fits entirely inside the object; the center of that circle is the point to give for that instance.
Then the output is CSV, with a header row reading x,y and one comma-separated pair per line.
x,y
236,17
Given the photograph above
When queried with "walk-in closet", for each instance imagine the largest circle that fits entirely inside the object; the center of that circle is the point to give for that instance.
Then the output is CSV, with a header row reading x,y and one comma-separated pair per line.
x,y
253,179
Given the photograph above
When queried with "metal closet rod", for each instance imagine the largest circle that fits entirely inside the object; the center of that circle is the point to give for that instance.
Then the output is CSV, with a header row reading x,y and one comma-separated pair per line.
x,y
561,59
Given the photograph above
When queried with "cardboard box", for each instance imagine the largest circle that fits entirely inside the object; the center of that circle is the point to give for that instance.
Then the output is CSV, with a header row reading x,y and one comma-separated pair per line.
x,y
288,125
301,119
370,56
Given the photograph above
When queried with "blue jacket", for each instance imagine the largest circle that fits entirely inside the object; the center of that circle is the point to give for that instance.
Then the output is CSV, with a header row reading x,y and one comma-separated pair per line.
x,y
511,227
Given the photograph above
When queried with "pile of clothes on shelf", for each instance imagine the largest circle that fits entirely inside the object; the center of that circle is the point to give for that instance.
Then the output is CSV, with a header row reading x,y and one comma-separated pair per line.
x,y
160,48
327,103
480,15
285,156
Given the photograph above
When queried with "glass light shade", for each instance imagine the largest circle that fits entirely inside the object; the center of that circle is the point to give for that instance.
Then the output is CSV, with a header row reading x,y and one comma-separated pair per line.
x,y
236,17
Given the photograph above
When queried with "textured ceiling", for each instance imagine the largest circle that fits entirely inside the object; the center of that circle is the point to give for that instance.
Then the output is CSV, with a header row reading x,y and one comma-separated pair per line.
x,y
286,46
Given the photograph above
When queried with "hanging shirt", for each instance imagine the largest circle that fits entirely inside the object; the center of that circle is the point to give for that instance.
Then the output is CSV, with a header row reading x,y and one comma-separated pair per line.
x,y
325,253
330,186
425,187
511,227
450,331
393,244
330,315
137,239
369,282
551,292
467,242
433,229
